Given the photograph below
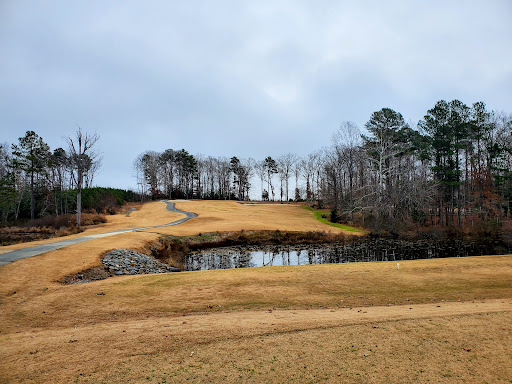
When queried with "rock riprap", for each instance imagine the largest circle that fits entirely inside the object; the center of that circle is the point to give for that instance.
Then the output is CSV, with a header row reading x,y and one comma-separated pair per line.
x,y
128,262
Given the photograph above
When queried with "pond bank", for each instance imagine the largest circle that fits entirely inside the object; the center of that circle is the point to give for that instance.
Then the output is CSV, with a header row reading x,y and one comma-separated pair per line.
x,y
260,248
362,250
245,249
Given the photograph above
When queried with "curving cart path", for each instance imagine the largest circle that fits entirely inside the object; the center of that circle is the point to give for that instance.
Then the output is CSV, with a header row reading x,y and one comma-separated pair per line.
x,y
9,257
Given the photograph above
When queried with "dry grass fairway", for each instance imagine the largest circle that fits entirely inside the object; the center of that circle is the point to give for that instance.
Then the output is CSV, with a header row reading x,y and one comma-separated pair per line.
x,y
445,321
227,216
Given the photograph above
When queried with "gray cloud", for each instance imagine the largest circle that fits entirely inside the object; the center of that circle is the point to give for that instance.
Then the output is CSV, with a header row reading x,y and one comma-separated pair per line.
x,y
239,78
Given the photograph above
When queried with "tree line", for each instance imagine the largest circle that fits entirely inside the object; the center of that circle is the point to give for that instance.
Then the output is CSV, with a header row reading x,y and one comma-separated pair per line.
x,y
452,168
36,182
178,174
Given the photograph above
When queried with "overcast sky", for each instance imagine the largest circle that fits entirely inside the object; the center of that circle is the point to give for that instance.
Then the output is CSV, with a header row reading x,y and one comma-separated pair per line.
x,y
239,78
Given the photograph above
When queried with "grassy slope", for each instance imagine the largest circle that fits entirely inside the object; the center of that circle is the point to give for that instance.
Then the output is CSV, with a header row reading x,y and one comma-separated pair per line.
x,y
318,215
221,326
276,324
299,287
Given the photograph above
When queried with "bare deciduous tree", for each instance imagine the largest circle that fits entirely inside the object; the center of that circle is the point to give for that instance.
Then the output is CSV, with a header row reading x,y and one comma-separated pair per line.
x,y
285,165
82,157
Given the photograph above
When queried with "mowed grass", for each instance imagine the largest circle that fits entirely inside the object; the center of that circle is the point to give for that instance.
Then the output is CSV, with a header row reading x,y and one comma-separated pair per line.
x,y
319,216
471,349
444,320
313,286
360,322
287,287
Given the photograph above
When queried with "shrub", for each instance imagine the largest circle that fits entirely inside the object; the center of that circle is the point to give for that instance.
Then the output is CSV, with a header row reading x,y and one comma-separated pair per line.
x,y
92,219
334,215
63,221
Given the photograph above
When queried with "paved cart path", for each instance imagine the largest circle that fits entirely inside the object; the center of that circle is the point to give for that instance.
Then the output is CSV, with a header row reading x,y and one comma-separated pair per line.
x,y
9,257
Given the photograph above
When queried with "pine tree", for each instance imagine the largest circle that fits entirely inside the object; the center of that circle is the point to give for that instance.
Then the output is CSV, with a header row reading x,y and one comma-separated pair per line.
x,y
31,156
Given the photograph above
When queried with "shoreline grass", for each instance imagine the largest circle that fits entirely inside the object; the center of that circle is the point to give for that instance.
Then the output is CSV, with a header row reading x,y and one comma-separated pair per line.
x,y
308,286
318,215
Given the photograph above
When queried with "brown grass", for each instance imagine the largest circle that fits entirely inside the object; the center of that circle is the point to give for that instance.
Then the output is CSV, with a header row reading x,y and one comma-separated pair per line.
x,y
230,216
274,324
67,221
299,287
48,228
152,213
16,235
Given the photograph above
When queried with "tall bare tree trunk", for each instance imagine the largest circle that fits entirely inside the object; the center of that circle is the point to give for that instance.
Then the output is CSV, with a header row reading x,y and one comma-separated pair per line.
x,y
81,154
79,197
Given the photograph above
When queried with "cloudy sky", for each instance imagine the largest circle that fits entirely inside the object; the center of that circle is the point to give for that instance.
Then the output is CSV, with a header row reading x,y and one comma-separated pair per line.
x,y
244,78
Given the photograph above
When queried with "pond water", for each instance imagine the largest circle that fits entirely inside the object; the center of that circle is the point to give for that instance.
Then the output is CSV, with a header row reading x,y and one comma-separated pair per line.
x,y
361,251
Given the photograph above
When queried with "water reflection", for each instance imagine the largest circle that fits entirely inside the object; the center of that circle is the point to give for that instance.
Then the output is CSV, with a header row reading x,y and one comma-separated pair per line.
x,y
225,258
361,251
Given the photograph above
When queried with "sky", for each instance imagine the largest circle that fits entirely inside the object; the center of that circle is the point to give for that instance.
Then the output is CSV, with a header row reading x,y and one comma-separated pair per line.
x,y
239,78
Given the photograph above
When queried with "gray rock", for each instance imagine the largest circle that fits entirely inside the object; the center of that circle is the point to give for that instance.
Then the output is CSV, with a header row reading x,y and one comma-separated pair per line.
x,y
129,262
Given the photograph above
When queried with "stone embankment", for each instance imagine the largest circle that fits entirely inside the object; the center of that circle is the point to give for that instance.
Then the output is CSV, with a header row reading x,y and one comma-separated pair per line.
x,y
128,262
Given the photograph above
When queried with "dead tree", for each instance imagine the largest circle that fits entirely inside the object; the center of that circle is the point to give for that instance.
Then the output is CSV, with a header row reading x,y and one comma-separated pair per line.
x,y
82,157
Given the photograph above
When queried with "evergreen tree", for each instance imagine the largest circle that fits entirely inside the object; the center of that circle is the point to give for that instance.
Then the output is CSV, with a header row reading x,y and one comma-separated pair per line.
x,y
270,166
436,125
31,156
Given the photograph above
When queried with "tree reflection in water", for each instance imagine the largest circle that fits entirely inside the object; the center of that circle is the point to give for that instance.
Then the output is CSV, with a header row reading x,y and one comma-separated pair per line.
x,y
360,251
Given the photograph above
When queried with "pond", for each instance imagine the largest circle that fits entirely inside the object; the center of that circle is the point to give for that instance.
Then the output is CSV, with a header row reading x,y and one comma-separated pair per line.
x,y
360,251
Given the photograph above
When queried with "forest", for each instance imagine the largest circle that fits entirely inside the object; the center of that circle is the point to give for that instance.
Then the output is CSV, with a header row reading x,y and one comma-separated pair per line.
x,y
37,183
452,169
